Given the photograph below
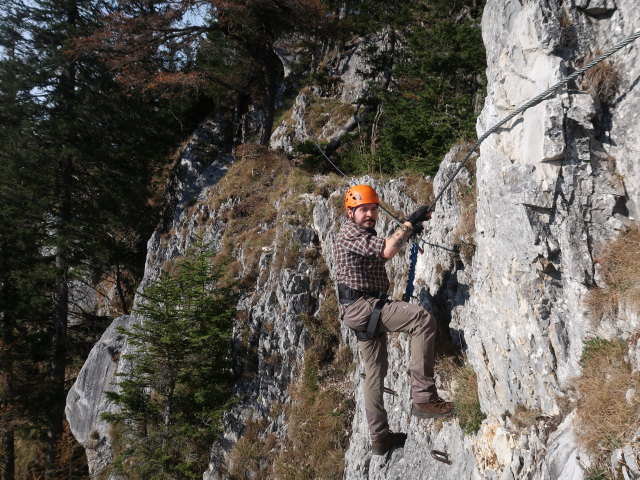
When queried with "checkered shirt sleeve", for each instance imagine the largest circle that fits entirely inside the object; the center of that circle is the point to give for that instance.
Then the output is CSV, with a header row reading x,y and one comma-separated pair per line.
x,y
360,265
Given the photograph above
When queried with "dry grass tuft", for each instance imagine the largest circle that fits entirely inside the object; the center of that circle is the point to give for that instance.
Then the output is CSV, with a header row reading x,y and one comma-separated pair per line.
x,y
446,368
602,80
462,147
620,269
319,421
322,111
254,166
565,19
608,402
467,199
524,417
419,189
465,396
253,453
345,360
254,185
463,382
320,412
328,184
466,228
601,303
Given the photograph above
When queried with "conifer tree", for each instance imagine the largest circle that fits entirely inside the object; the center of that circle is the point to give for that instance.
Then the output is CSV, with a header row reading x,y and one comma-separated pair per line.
x,y
25,273
79,160
433,63
179,384
230,49
436,84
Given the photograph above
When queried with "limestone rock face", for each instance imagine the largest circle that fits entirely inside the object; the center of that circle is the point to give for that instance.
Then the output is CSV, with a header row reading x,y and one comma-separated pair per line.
x,y
337,112
549,198
86,400
553,188
509,256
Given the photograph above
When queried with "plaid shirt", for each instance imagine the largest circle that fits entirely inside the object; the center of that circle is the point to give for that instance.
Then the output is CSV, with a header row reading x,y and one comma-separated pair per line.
x,y
360,265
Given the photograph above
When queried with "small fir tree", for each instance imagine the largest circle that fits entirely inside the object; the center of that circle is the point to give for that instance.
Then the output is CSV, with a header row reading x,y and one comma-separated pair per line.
x,y
172,400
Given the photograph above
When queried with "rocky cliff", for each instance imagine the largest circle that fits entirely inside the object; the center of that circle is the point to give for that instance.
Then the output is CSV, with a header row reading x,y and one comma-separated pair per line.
x,y
510,258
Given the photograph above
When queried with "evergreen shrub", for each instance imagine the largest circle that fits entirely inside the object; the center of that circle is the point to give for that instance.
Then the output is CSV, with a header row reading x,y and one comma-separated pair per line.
x,y
179,384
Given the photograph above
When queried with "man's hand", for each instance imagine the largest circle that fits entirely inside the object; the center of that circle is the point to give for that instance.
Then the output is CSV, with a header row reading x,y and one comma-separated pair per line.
x,y
417,230
422,214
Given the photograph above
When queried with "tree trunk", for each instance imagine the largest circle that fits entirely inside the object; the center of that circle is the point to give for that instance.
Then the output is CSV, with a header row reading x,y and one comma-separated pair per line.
x,y
168,406
63,235
8,431
60,319
9,454
273,72
61,286
240,117
120,290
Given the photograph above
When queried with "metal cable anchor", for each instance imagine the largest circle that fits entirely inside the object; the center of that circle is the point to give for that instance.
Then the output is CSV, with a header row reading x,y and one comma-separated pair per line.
x,y
441,456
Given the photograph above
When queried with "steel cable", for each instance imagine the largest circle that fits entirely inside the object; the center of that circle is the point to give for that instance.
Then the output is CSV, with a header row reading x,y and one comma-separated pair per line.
x,y
534,101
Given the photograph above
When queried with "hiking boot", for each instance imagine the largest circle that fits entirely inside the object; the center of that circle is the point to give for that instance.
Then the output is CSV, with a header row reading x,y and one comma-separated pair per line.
x,y
436,409
389,442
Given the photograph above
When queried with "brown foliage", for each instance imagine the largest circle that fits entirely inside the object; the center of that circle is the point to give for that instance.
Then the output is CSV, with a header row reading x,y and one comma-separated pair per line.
x,y
71,461
620,269
608,404
602,80
139,48
152,46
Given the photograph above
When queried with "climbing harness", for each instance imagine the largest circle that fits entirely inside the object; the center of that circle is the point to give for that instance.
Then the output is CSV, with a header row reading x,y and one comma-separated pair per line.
x,y
531,103
347,295
372,326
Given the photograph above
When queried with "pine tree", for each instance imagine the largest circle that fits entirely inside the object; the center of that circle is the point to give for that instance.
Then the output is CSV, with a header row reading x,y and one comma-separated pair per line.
x,y
435,86
179,384
229,51
79,160
25,273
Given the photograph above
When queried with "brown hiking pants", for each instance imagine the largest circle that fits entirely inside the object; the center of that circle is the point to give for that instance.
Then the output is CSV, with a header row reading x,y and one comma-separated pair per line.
x,y
394,317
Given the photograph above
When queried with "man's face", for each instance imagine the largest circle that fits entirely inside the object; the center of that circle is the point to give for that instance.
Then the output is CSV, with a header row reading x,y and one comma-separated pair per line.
x,y
364,215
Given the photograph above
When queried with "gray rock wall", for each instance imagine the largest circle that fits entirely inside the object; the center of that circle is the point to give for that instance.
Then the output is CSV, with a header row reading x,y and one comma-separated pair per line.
x,y
553,188
550,186
86,400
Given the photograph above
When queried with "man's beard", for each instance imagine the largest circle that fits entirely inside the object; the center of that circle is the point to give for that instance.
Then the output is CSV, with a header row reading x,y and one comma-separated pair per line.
x,y
368,224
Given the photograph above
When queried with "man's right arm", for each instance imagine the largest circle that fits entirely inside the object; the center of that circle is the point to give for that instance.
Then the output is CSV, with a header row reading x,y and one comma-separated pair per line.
x,y
396,241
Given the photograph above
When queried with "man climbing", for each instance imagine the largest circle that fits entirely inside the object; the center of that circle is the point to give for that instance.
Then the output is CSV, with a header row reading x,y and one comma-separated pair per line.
x,y
362,288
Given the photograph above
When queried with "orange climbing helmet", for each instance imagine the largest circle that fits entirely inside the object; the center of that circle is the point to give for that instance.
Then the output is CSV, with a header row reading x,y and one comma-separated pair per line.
x,y
359,195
